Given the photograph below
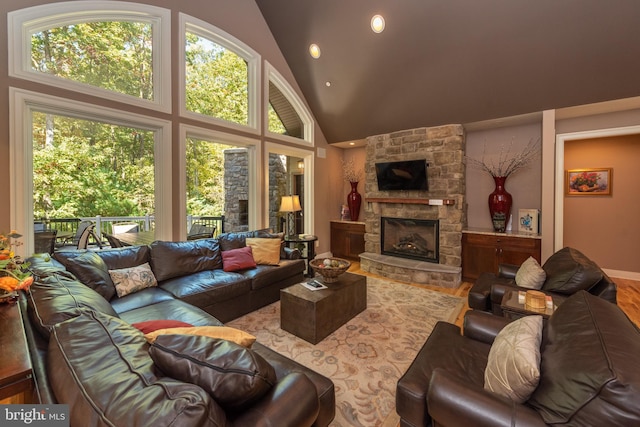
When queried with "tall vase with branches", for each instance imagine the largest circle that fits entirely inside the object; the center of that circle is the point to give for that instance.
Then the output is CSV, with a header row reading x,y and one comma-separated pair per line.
x,y
354,199
500,168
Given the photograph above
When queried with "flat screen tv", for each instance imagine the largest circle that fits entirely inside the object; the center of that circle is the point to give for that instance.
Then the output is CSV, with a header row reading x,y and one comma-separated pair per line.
x,y
403,175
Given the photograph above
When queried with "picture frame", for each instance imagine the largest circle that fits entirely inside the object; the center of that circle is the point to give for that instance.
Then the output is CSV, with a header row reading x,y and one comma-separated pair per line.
x,y
588,182
528,221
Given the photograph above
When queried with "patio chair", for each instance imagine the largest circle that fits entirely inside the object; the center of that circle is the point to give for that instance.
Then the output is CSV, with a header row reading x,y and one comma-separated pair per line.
x,y
89,231
200,231
44,241
113,242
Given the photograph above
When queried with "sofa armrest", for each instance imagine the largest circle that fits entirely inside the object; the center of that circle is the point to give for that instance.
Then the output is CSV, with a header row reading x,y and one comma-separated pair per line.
x,y
291,253
508,270
293,401
452,402
482,326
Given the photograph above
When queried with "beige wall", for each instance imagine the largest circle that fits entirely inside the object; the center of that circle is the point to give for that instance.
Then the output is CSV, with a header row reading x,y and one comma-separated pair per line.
x,y
604,227
243,20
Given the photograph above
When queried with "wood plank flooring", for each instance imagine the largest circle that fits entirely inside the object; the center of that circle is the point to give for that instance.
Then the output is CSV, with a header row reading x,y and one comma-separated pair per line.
x,y
628,294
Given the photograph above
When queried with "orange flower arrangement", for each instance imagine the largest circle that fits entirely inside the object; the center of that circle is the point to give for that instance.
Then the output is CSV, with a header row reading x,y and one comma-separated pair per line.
x,y
14,275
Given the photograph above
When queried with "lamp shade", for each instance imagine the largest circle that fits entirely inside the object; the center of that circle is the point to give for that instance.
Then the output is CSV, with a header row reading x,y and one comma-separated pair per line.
x,y
290,204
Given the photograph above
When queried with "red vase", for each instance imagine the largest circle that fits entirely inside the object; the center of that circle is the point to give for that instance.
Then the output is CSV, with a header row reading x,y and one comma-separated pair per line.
x,y
354,199
500,205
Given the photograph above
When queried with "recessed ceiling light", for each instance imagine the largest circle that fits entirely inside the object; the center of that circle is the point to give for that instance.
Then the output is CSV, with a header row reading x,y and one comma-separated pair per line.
x,y
314,51
328,84
377,23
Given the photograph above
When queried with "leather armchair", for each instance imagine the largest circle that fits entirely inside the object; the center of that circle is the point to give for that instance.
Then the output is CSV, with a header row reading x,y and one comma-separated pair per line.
x,y
588,374
567,271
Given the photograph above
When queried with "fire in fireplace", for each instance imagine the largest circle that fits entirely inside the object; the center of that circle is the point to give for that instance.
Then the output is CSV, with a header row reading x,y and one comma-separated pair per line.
x,y
410,238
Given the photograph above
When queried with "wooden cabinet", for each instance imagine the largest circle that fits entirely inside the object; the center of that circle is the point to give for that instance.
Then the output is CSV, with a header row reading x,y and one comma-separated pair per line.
x,y
484,252
347,239
16,382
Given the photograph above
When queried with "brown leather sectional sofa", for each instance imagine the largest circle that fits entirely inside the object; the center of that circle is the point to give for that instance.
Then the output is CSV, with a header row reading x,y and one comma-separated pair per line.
x,y
589,372
87,354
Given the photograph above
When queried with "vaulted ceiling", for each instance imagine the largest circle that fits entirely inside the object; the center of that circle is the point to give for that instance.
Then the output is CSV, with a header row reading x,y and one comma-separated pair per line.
x,y
454,61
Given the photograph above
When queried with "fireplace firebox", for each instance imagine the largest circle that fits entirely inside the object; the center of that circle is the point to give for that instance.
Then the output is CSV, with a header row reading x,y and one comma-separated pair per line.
x,y
410,238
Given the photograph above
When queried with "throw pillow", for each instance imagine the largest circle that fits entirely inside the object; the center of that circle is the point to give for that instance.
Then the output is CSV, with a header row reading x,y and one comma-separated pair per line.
x,y
134,279
154,325
221,332
233,375
91,270
265,250
530,275
238,259
513,367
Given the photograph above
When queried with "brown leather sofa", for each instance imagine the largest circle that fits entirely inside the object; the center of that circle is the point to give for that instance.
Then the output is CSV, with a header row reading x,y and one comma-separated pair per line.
x,y
588,372
86,352
567,271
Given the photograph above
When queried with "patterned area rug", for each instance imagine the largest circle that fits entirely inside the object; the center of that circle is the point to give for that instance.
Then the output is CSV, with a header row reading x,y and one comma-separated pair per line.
x,y
365,357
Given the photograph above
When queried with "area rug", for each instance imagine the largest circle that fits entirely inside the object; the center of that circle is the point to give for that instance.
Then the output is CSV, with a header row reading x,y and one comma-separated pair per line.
x,y
365,357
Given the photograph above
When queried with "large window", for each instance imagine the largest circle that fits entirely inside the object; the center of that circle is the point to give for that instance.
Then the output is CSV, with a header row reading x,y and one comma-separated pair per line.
x,y
93,159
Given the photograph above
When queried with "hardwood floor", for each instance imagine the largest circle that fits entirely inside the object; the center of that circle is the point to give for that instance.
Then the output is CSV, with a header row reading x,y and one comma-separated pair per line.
x,y
628,294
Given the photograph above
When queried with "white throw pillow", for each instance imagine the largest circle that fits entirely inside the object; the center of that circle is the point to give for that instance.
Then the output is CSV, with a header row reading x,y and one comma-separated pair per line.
x,y
513,367
134,279
530,275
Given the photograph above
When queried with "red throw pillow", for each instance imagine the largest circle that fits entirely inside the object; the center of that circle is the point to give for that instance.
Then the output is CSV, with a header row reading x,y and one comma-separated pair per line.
x,y
153,325
238,259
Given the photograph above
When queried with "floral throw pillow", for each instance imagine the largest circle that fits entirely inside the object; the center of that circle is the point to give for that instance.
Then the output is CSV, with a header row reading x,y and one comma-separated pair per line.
x,y
134,279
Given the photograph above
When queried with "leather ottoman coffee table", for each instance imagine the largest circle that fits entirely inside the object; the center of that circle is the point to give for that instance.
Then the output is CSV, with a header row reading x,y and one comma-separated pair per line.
x,y
313,315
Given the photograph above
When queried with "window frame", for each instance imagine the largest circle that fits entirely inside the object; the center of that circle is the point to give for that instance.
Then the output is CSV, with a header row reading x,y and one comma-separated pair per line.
x,y
209,31
254,147
28,21
308,156
23,102
272,75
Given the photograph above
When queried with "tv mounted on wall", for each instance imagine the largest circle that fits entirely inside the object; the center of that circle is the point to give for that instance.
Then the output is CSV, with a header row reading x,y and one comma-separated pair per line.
x,y
403,175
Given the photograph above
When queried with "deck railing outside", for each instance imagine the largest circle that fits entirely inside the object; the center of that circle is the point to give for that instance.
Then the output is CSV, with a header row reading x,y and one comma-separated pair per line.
x,y
145,223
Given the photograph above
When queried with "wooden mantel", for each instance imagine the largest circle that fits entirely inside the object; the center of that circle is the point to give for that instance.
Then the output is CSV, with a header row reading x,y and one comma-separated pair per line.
x,y
432,202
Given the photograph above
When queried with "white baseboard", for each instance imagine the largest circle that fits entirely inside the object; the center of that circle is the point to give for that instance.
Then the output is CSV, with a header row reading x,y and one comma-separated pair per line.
x,y
630,275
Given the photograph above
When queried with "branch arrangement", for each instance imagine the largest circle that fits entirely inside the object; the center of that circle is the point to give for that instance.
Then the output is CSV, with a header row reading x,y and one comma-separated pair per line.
x,y
507,163
350,172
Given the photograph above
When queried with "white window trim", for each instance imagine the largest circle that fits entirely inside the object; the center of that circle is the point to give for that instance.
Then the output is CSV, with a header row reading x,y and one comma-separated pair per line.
x,y
309,178
253,145
211,32
22,102
25,22
272,75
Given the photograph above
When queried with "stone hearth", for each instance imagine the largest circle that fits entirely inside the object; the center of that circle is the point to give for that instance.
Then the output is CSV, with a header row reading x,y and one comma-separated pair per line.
x,y
443,148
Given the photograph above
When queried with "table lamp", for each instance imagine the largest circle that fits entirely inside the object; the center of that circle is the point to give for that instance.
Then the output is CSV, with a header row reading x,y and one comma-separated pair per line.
x,y
290,204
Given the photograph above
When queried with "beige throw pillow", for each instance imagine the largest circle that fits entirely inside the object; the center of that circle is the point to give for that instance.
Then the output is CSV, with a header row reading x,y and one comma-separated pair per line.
x,y
134,279
221,332
530,275
513,367
265,250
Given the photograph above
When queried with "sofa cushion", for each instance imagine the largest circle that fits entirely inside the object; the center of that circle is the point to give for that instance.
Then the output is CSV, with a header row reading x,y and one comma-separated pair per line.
x,y
237,239
265,251
126,257
91,270
154,325
513,366
170,308
264,276
530,275
175,259
133,279
237,336
56,298
207,287
233,375
238,259
569,271
589,369
88,352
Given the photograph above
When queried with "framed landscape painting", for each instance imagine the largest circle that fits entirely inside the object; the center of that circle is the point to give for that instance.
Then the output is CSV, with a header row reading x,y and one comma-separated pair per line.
x,y
588,182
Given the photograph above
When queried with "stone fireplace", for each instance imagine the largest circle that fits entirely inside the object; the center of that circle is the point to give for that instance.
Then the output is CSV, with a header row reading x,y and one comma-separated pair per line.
x,y
424,243
410,238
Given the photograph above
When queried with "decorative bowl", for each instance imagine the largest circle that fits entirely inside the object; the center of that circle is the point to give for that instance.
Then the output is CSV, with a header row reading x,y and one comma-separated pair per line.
x,y
331,269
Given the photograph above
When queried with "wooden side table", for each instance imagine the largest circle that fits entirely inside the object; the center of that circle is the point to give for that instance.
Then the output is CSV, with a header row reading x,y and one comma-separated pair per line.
x,y
512,308
308,241
313,315
16,374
